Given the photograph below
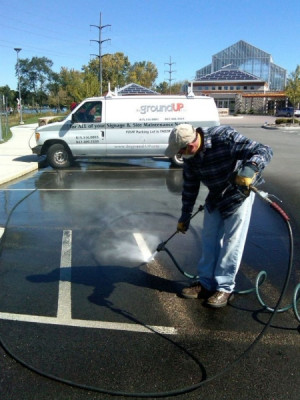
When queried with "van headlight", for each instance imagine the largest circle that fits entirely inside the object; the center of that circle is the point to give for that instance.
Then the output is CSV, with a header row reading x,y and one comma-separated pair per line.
x,y
37,136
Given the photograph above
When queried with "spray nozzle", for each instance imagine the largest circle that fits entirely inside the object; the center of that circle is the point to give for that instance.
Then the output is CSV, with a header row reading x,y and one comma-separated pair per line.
x,y
161,246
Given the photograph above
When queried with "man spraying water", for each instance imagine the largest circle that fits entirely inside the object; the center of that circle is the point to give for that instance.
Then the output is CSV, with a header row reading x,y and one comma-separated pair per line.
x,y
227,163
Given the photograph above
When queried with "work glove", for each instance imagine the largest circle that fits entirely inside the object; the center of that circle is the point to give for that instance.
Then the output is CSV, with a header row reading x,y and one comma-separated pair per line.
x,y
245,177
184,222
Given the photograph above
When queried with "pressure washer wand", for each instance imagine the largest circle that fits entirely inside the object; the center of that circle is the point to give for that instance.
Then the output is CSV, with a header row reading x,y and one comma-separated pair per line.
x,y
161,246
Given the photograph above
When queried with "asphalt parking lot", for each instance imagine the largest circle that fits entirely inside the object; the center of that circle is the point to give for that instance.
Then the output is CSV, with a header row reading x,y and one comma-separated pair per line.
x,y
108,285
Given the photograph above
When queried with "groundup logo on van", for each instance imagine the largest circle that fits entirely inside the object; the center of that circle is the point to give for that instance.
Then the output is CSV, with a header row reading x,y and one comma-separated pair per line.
x,y
167,108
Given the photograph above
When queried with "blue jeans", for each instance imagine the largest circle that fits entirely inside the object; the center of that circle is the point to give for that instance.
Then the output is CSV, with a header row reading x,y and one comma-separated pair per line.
x,y
223,243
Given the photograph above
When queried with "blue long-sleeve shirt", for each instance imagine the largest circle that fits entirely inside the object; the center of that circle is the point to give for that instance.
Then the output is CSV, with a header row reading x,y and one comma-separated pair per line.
x,y
225,150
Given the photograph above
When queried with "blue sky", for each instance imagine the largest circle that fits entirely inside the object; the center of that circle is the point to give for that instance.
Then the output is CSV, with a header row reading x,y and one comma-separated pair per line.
x,y
188,31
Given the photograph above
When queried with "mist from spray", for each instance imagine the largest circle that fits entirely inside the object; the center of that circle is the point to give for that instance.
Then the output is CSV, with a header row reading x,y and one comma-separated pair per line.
x,y
152,257
129,249
115,246
113,238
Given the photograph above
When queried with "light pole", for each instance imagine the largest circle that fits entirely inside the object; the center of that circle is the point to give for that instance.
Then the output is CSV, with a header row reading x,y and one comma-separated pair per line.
x,y
17,49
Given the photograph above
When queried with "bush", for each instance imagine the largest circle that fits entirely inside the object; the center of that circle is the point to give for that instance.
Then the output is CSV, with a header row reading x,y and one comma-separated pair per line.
x,y
279,121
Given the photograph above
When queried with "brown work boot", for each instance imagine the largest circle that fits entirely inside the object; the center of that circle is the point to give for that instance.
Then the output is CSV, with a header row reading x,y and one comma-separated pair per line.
x,y
219,299
196,291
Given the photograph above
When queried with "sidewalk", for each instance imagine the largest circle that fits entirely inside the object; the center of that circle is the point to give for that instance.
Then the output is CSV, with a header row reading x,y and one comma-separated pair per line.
x,y
16,158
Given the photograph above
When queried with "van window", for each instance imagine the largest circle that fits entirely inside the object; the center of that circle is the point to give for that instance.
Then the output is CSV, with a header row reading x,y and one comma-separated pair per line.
x,y
90,111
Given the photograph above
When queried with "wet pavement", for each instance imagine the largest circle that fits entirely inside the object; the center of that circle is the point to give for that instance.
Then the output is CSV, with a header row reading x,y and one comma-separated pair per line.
x,y
108,281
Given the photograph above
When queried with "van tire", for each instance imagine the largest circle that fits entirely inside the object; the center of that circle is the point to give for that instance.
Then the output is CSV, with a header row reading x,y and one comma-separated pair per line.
x,y
177,160
174,181
58,156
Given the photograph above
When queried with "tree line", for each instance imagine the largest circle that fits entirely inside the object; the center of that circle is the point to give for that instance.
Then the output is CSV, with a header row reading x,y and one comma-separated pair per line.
x,y
41,86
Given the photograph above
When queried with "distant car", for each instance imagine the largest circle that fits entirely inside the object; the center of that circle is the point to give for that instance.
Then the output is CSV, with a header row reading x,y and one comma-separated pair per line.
x,y
297,113
285,112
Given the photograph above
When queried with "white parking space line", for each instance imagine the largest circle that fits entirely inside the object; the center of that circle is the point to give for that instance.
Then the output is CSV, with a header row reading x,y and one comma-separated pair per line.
x,y
1,231
142,246
116,326
64,290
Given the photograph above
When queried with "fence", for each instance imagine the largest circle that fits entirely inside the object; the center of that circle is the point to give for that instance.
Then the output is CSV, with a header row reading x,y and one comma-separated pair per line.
x,y
4,124
4,127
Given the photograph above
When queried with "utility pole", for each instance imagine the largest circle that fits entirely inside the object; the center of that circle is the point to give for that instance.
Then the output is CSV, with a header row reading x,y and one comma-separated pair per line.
x,y
17,49
170,71
100,41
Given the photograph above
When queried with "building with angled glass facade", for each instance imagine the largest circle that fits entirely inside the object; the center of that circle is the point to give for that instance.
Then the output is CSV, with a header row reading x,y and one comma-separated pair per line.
x,y
248,58
242,79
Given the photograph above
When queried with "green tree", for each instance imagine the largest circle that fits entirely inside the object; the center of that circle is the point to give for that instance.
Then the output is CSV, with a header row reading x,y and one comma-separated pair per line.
x,y
70,80
176,88
54,88
292,89
115,69
76,85
143,73
163,88
35,75
10,95
90,85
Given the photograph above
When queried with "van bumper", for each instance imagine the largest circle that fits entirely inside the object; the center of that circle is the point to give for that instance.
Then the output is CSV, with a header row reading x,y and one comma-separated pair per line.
x,y
37,150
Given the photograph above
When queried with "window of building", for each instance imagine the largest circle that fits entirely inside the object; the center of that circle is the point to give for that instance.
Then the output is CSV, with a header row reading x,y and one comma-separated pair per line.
x,y
245,87
219,87
225,87
231,87
213,88
238,88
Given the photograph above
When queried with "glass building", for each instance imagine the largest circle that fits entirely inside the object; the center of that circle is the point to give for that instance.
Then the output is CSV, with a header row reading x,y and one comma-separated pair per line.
x,y
248,58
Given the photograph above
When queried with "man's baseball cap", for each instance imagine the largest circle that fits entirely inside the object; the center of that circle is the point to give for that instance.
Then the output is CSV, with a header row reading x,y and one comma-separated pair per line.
x,y
180,137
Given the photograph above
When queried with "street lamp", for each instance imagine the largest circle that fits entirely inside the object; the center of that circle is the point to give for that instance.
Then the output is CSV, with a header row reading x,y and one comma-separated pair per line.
x,y
17,49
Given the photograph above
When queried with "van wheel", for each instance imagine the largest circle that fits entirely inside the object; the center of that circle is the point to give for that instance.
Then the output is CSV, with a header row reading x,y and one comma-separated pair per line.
x,y
177,160
174,180
58,156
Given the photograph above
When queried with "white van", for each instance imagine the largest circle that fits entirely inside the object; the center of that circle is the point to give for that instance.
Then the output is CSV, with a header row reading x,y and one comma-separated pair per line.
x,y
122,126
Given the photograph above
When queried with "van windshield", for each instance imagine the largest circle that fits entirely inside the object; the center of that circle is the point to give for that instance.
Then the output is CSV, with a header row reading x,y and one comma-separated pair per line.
x,y
90,111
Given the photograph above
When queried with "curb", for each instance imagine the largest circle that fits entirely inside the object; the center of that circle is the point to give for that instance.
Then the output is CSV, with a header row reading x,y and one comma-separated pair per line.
x,y
286,128
19,173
